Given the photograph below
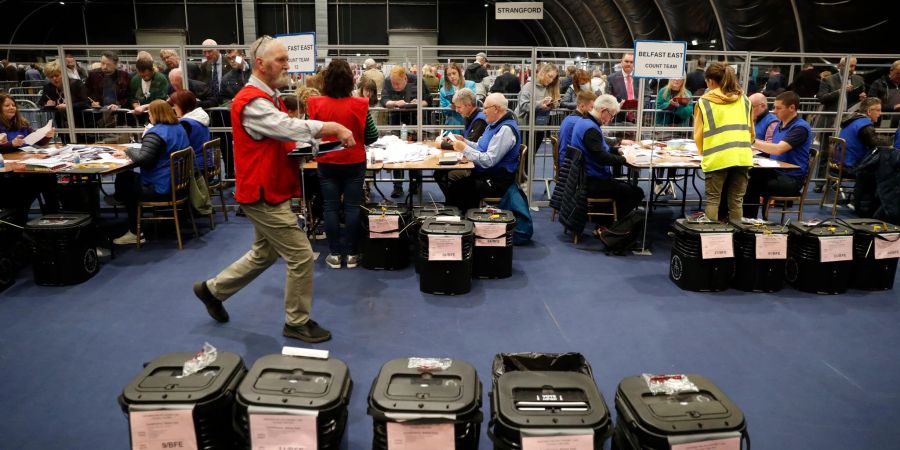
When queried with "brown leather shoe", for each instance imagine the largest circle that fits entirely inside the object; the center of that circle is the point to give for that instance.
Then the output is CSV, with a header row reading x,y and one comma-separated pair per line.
x,y
213,305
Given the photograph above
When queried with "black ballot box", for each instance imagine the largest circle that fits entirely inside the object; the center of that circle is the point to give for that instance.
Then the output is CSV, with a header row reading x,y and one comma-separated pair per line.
x,y
445,248
702,257
493,253
209,393
293,385
441,393
820,257
63,249
876,248
384,245
650,415
419,214
545,394
760,252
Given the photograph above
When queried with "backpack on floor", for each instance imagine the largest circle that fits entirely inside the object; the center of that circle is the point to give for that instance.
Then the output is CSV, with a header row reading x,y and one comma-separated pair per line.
x,y
623,234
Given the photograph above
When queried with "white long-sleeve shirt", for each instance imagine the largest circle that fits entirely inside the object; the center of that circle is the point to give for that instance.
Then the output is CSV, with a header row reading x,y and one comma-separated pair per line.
x,y
261,119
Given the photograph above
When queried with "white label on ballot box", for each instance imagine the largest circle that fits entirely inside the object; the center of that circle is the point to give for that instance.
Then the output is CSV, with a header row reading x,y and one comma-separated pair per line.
x,y
836,248
890,248
717,444
578,442
716,245
489,234
282,431
771,246
435,436
383,227
163,429
445,248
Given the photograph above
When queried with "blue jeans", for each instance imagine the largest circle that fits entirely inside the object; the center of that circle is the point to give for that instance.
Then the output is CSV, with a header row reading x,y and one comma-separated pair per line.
x,y
342,188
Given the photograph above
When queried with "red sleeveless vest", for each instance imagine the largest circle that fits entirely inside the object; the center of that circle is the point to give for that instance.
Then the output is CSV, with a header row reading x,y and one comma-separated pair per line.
x,y
262,168
349,112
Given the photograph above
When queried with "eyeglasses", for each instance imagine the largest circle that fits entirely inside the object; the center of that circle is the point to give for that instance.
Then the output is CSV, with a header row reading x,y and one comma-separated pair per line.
x,y
259,43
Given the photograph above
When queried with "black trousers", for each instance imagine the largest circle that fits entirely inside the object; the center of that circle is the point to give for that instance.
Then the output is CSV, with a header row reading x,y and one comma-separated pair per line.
x,y
626,196
466,193
767,183
130,190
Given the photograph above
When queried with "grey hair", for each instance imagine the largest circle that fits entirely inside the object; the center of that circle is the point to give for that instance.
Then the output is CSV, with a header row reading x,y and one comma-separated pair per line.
x,y
260,47
607,102
498,99
466,96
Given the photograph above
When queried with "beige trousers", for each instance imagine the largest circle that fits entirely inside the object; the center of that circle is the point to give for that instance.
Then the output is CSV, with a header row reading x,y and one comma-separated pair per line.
x,y
276,234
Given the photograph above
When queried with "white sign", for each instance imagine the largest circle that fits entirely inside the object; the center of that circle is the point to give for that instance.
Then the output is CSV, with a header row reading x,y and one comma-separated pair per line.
x,y
716,245
519,10
301,48
659,59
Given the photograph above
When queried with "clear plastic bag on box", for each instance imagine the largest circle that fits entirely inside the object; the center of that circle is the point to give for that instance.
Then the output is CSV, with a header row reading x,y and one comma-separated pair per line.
x,y
201,360
669,384
429,364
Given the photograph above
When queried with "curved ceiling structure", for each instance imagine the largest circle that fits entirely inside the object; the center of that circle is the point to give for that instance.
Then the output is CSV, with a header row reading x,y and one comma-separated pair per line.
x,y
822,26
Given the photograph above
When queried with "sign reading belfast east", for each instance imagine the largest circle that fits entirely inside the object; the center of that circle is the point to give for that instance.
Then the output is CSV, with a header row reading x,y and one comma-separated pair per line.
x,y
659,59
301,48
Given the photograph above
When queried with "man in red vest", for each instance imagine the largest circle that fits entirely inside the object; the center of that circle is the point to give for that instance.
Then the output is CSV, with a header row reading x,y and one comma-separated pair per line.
x,y
266,179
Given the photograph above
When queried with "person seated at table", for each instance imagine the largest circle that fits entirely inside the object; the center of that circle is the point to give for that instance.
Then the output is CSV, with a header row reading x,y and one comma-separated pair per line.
x,y
466,105
53,96
108,86
581,82
495,156
791,142
163,138
764,122
858,131
599,156
584,102
147,85
452,83
20,192
675,102
204,97
195,122
401,93
14,127
341,173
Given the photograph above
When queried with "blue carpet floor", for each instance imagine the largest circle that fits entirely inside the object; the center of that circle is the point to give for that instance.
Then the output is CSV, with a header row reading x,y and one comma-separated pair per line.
x,y
809,371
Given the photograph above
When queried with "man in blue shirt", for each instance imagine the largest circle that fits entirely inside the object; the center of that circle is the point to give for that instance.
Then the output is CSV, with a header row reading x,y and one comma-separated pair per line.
x,y
495,155
791,141
764,122
584,101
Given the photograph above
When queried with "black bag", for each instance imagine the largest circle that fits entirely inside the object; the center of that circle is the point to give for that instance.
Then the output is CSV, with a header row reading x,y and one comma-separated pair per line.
x,y
623,234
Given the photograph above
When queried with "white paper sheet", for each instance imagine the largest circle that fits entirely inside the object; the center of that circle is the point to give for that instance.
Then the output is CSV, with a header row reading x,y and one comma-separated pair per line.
x,y
38,134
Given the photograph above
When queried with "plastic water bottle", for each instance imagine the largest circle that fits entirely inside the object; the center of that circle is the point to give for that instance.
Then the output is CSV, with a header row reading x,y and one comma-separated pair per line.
x,y
403,132
77,158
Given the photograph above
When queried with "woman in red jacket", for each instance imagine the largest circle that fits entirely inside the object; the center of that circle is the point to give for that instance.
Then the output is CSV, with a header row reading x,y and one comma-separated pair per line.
x,y
342,173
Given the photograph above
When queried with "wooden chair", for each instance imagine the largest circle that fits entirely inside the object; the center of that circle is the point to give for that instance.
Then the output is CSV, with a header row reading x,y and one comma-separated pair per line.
x,y
520,176
591,202
213,173
834,173
799,200
181,169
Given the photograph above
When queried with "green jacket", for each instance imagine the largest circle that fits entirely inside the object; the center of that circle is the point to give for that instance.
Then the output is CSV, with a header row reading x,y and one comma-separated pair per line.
x,y
159,89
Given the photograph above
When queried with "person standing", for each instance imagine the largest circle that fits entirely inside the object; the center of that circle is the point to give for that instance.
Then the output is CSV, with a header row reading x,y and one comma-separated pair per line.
x,y
342,173
266,179
723,131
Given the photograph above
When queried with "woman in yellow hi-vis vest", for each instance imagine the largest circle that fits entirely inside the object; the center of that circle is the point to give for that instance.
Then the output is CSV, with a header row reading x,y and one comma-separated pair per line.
x,y
723,131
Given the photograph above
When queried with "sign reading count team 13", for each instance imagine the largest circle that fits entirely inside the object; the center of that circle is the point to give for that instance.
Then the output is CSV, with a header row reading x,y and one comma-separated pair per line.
x,y
659,59
301,48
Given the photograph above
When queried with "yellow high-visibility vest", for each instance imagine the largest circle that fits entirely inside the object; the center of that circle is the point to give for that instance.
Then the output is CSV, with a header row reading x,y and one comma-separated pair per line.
x,y
726,134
